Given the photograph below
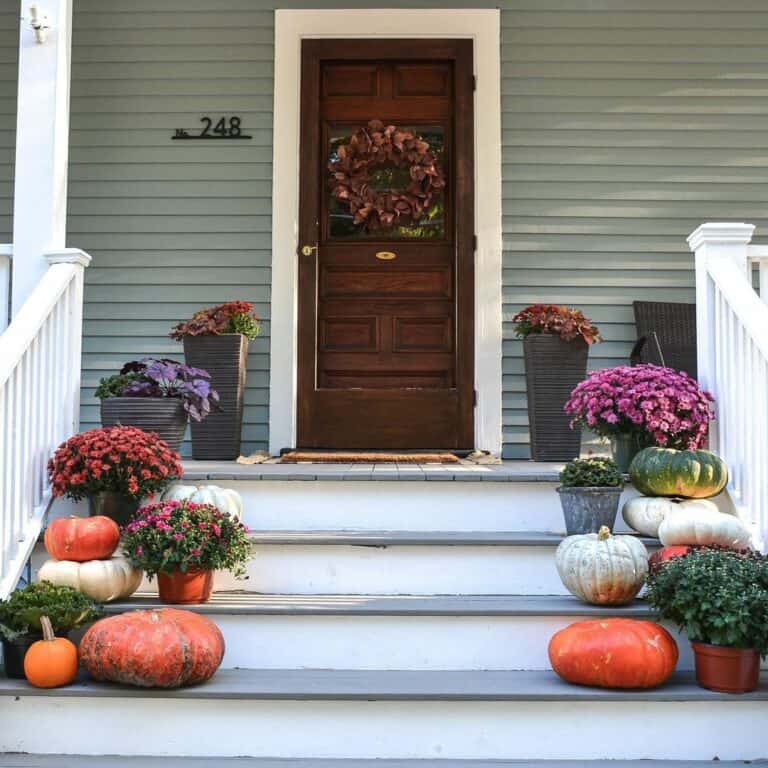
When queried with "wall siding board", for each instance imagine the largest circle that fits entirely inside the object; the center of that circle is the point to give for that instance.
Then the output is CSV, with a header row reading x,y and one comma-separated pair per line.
x,y
625,124
9,57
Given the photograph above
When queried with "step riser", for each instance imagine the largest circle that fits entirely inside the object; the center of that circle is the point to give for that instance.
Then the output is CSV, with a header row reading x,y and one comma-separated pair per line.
x,y
399,570
395,642
359,729
406,506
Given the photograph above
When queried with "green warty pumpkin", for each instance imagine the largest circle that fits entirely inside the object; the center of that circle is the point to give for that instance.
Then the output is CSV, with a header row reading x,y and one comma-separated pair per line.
x,y
689,474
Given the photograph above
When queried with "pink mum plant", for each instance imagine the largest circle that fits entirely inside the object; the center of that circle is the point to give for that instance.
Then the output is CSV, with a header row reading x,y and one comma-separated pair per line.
x,y
659,405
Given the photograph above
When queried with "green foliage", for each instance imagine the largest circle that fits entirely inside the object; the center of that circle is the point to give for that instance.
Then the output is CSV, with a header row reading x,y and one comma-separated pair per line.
x,y
717,596
245,323
114,386
594,472
66,608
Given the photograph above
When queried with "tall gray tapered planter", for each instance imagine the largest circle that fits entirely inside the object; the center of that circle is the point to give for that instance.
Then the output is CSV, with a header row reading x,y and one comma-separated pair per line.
x,y
164,415
225,357
553,368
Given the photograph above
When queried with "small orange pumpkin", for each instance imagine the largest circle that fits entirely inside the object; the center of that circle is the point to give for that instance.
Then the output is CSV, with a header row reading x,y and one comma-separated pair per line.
x,y
52,661
614,653
82,538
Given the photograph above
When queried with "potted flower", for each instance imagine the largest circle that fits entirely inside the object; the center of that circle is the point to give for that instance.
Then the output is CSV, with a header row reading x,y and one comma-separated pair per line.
x,y
590,490
114,468
641,406
217,338
182,543
720,598
556,343
157,396
20,615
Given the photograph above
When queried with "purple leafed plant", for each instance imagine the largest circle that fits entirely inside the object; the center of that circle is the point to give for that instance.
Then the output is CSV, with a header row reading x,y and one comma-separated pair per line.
x,y
165,378
659,405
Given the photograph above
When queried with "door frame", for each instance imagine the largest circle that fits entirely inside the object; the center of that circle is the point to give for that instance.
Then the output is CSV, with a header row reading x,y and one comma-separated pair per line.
x,y
483,27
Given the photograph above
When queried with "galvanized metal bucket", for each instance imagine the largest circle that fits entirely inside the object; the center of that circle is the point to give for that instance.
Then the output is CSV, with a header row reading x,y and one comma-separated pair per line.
x,y
586,510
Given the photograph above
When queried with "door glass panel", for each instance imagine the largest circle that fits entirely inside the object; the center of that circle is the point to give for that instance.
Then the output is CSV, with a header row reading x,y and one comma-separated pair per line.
x,y
385,184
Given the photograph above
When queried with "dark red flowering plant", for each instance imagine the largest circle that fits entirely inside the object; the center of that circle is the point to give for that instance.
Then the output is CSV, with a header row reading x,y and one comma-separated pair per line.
x,y
566,322
232,317
123,459
170,536
659,405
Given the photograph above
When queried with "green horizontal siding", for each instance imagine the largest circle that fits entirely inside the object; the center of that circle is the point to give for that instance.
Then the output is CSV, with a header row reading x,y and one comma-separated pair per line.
x,y
9,55
626,123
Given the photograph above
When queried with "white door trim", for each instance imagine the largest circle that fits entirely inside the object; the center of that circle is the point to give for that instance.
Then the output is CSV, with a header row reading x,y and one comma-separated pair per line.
x,y
291,26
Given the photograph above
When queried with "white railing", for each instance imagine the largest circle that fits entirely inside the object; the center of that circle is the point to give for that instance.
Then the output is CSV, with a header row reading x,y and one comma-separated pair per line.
x,y
732,342
39,403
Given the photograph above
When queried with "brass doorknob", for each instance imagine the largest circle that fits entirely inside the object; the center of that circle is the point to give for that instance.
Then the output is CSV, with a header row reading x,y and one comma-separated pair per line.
x,y
308,250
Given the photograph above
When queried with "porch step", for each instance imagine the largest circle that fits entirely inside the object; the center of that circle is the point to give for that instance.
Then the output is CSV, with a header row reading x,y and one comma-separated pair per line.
x,y
499,715
375,632
85,761
400,562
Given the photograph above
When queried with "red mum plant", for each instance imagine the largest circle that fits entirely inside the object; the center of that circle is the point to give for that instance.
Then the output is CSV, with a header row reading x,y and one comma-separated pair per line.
x,y
232,317
122,459
566,322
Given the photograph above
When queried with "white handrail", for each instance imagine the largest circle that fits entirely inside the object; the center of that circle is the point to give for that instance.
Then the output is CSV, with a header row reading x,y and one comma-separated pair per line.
x,y
39,403
732,344
6,254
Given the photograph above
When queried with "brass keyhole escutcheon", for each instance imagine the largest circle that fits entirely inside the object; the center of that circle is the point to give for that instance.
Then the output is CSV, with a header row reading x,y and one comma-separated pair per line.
x,y
308,250
386,255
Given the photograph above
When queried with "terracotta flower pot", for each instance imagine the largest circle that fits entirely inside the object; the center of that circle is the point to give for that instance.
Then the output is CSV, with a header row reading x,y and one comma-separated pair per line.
x,y
185,588
728,670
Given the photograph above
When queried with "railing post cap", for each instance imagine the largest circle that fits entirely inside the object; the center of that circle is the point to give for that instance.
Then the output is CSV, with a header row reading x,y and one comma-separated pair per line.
x,y
68,256
725,233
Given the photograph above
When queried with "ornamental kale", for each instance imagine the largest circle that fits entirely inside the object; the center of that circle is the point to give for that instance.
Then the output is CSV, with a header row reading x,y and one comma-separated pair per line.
x,y
170,536
164,378
659,406
593,472
67,609
717,596
565,322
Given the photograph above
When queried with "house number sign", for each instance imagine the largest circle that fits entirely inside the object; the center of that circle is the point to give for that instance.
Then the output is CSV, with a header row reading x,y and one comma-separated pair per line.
x,y
225,127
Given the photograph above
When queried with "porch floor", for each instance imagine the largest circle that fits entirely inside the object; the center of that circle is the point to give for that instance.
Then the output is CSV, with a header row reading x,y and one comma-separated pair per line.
x,y
465,471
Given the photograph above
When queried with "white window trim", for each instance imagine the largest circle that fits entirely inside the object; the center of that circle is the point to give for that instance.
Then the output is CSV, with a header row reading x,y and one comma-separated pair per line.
x,y
291,26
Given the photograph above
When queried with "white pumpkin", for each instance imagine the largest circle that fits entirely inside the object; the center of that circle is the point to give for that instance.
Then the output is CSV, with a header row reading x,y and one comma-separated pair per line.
x,y
224,499
602,569
703,526
102,580
645,514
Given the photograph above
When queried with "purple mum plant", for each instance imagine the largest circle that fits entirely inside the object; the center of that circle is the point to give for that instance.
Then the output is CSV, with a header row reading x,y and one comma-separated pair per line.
x,y
164,378
660,406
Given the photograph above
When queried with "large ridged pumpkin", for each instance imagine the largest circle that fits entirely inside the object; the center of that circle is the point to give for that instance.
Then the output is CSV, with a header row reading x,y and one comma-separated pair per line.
x,y
614,653
602,569
164,648
666,472
82,538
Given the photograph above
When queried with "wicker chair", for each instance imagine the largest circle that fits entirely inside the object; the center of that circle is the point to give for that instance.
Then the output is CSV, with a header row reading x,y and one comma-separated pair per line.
x,y
666,335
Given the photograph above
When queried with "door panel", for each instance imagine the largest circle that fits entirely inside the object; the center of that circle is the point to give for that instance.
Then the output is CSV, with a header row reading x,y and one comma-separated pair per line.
x,y
386,296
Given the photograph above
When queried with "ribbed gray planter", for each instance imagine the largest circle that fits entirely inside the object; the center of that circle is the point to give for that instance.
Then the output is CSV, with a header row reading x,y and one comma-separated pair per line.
x,y
587,510
164,415
553,368
225,357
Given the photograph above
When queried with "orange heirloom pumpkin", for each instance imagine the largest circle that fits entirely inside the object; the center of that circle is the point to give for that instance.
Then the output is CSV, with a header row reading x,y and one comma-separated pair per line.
x,y
82,538
665,554
164,648
52,661
614,653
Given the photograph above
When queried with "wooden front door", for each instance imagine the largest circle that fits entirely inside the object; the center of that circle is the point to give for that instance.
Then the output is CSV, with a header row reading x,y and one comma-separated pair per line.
x,y
386,274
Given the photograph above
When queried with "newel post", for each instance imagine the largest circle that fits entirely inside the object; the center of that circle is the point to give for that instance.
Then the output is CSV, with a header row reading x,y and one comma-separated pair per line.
x,y
711,244
42,141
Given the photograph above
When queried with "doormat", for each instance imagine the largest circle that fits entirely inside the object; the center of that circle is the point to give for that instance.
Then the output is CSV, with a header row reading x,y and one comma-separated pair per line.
x,y
351,457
